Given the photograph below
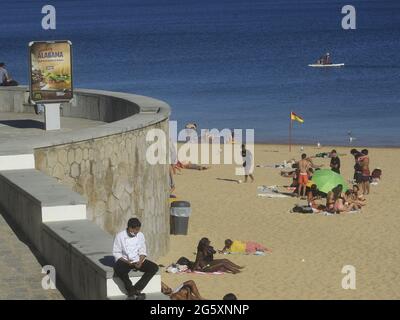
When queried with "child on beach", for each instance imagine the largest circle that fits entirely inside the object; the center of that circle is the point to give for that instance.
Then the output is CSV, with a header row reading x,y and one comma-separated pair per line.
x,y
247,247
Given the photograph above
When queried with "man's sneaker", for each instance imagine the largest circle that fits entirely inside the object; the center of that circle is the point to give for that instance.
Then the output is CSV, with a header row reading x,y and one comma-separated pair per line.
x,y
137,296
141,296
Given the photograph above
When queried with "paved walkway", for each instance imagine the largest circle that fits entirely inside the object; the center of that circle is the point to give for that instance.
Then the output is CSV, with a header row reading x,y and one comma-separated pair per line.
x,y
20,272
20,125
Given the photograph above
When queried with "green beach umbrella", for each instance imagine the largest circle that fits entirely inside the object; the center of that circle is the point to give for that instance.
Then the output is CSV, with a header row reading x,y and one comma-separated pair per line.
x,y
326,180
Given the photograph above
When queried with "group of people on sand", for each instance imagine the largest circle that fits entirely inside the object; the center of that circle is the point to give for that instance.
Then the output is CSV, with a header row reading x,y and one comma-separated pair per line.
x,y
337,201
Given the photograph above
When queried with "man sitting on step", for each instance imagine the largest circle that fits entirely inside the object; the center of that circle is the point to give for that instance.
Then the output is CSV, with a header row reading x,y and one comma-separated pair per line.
x,y
129,252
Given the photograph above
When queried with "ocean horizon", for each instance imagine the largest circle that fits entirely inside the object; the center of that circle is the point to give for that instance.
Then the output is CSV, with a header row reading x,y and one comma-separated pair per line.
x,y
232,63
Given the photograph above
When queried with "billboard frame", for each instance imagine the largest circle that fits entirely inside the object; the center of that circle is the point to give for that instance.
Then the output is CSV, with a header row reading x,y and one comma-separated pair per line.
x,y
30,45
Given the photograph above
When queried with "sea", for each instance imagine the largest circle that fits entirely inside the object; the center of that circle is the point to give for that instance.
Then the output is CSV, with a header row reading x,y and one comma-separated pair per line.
x,y
232,63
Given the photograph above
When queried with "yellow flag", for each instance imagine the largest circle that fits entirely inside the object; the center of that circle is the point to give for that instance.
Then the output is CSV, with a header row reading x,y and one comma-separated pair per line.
x,y
295,117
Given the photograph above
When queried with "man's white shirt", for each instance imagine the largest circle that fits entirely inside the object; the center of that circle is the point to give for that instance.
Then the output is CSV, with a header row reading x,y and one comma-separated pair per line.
x,y
129,248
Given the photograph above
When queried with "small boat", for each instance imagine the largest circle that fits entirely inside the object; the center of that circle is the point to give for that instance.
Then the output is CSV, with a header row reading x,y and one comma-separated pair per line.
x,y
329,65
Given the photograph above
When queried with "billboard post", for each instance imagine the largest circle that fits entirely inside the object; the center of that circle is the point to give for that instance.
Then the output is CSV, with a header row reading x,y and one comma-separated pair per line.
x,y
50,69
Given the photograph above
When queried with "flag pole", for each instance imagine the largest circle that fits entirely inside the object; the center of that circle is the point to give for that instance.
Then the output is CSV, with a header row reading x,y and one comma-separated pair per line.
x,y
290,132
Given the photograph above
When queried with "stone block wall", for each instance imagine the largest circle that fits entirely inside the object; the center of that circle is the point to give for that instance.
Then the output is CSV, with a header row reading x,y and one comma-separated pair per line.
x,y
113,174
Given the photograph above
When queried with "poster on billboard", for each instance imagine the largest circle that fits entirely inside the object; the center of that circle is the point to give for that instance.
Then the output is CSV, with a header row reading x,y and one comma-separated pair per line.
x,y
50,71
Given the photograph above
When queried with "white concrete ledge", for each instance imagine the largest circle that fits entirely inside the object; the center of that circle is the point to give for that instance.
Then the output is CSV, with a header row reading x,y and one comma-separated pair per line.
x,y
64,213
17,162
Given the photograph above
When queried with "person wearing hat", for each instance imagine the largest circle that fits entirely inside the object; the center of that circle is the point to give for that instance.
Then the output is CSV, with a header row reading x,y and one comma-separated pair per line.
x,y
5,79
129,251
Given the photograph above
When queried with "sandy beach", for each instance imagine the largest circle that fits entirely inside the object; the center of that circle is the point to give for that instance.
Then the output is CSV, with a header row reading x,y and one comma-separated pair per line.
x,y
309,250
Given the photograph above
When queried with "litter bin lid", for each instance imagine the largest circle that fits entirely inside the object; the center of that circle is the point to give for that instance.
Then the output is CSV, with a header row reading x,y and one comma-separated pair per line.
x,y
180,204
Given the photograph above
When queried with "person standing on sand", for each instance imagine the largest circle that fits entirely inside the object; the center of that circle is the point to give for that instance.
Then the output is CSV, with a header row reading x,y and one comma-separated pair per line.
x,y
366,174
247,163
335,162
304,167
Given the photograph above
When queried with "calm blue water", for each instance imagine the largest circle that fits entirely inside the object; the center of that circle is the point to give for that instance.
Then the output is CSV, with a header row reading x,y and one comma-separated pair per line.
x,y
232,63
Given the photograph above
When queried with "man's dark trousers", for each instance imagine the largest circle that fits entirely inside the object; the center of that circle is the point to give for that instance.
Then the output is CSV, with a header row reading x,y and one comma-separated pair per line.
x,y
122,269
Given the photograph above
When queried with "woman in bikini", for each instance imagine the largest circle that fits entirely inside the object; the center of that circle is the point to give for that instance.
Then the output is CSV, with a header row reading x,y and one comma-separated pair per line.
x,y
205,261
186,291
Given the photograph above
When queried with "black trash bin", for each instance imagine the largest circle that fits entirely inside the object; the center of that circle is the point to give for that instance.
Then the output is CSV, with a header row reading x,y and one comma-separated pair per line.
x,y
179,219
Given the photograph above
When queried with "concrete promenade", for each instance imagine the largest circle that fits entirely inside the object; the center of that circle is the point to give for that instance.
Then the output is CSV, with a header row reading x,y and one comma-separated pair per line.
x,y
20,271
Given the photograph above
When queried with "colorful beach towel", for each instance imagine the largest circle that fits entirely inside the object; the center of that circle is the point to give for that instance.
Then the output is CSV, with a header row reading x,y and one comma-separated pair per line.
x,y
257,253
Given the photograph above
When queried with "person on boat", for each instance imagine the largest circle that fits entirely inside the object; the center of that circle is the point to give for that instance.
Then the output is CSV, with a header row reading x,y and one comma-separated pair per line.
x,y
325,59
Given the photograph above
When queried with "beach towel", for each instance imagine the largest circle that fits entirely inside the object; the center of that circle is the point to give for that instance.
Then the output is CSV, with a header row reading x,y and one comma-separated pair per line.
x,y
285,165
270,192
326,213
180,269
257,253
205,273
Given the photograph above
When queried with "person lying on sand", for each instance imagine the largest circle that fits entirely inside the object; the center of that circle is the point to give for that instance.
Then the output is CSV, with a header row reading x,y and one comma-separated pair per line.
x,y
247,247
186,291
205,261
189,165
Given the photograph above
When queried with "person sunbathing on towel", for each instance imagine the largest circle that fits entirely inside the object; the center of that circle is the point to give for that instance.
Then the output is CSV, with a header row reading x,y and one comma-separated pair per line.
x,y
247,247
186,291
189,165
205,261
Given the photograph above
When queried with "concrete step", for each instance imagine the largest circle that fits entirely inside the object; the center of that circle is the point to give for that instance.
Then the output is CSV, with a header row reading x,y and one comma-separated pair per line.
x,y
57,202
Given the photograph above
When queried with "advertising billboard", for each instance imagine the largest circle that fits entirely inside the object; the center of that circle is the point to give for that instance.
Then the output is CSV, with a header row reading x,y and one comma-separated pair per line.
x,y
50,71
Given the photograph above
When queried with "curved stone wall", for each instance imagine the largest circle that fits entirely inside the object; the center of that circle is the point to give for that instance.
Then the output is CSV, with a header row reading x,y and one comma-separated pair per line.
x,y
107,163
